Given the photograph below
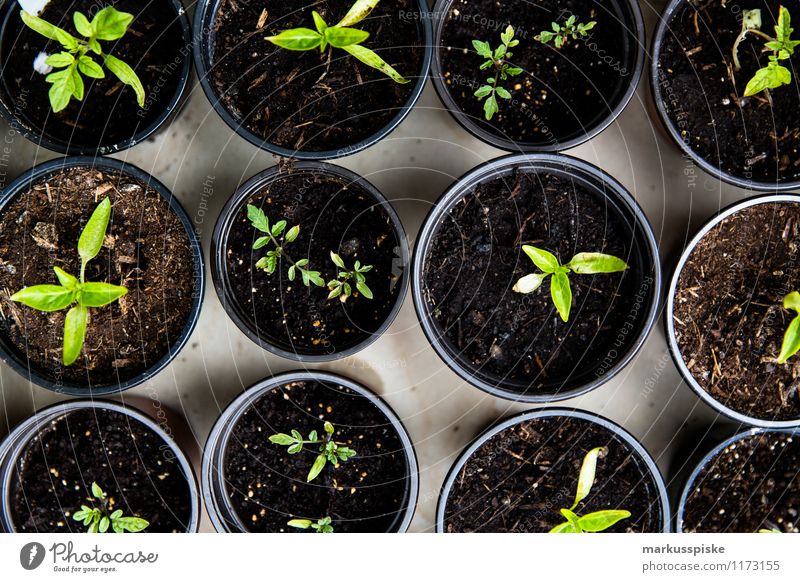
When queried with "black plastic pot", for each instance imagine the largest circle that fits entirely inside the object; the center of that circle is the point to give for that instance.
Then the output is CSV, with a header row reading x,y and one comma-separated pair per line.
x,y
19,362
204,21
660,94
14,112
700,461
669,323
219,269
214,484
16,441
622,434
627,11
645,262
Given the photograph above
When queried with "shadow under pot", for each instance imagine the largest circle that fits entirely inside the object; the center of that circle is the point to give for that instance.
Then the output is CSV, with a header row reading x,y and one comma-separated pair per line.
x,y
276,274
133,288
311,104
49,463
747,484
355,470
518,475
725,317
702,67
548,95
110,116
474,281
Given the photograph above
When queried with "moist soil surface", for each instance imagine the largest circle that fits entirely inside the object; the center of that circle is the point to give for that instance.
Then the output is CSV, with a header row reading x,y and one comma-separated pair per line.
x,y
108,113
704,94
308,100
562,93
752,484
146,250
131,463
520,478
729,318
476,257
267,486
333,215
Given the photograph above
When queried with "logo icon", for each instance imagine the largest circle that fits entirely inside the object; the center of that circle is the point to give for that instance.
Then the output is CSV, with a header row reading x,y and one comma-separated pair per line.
x,y
31,555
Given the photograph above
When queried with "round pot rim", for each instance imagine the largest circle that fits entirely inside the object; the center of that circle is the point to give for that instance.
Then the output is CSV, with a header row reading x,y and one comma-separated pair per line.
x,y
219,270
217,441
672,342
199,51
662,28
467,122
483,437
21,435
44,169
40,139
708,457
494,167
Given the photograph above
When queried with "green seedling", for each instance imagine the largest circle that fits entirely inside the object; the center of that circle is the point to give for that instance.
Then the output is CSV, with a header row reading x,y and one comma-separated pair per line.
x,y
329,450
75,59
781,47
100,517
322,525
561,33
772,530
341,286
77,293
596,521
498,60
791,338
341,36
560,291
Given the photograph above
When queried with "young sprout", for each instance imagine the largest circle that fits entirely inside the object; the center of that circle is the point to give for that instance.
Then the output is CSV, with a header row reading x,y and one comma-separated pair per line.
x,y
323,525
340,287
341,35
107,24
76,291
581,264
596,521
99,519
791,338
561,33
277,239
772,530
329,450
782,47
502,70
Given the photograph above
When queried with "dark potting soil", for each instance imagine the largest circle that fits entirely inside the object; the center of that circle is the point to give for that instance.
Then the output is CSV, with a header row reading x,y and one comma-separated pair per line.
x,y
752,484
131,463
146,250
268,487
308,100
333,216
476,257
519,479
108,113
729,318
703,94
562,93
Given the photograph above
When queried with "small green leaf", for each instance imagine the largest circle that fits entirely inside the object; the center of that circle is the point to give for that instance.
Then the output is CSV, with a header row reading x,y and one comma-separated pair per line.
x,y
132,524
74,333
483,49
483,91
97,492
592,263
47,30
565,527
116,515
90,68
364,290
63,88
372,59
571,518
792,301
543,259
127,75
104,523
561,293
586,476
295,448
319,22
300,523
337,260
503,93
490,107
110,24
257,218
281,439
261,242
602,520
316,468
59,60
342,37
91,239
358,12
328,428
791,341
297,39
99,294
345,453
82,24
291,235
530,283
45,297
278,228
